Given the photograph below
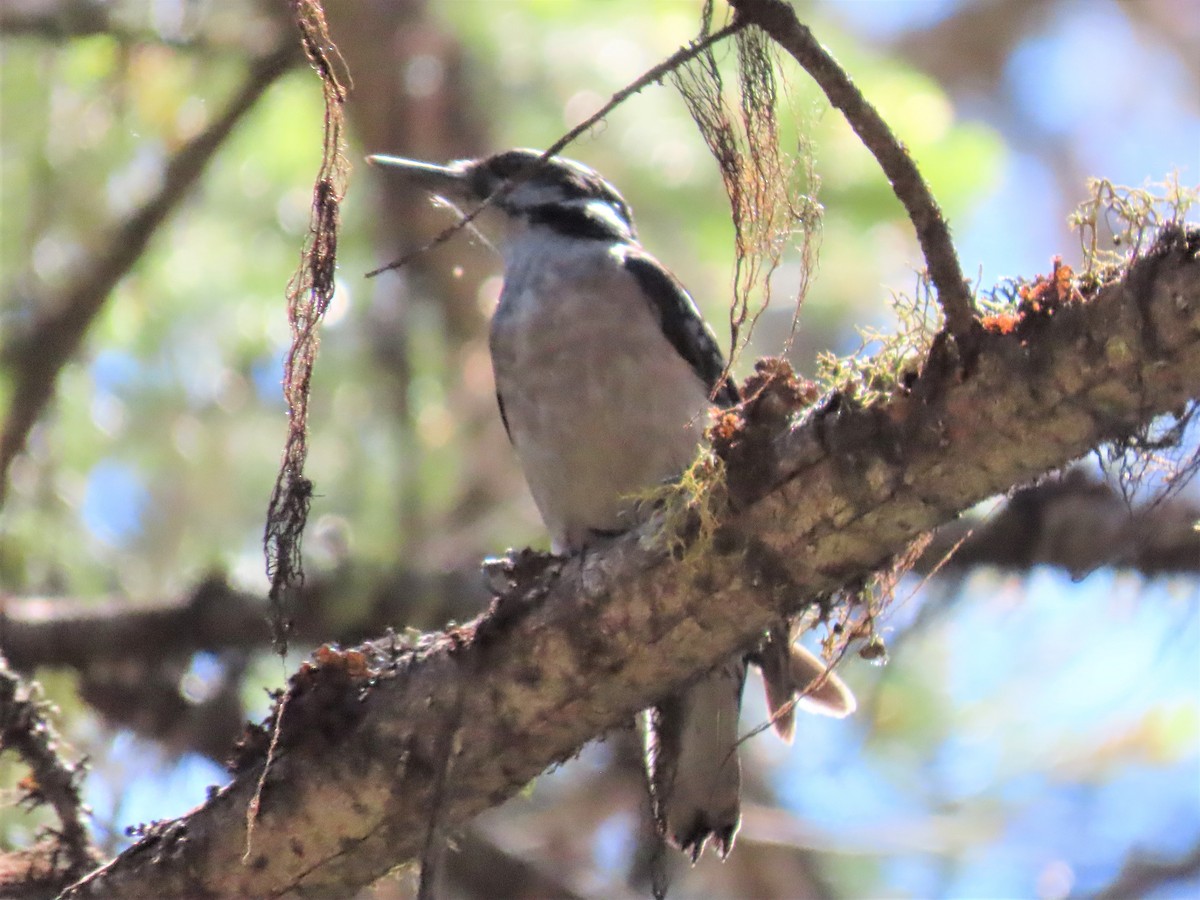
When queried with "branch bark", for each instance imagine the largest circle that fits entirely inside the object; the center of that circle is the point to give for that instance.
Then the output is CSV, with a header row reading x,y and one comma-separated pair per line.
x,y
820,502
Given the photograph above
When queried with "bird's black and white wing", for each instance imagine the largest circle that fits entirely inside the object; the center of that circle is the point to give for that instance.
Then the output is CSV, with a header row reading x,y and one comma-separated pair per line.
x,y
682,325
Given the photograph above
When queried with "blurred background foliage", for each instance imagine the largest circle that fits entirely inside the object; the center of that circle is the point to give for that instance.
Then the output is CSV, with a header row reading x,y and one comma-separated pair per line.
x,y
1033,729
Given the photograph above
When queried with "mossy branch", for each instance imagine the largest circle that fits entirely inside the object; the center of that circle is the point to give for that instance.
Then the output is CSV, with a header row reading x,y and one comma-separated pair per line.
x,y
832,497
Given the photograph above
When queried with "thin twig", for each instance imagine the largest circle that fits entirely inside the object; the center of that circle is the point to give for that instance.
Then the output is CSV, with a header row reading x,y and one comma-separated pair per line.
x,y
651,76
255,804
778,19
35,355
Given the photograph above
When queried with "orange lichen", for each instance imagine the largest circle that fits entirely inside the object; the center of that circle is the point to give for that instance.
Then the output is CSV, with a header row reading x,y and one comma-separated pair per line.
x,y
725,426
332,658
1040,298
1047,294
1001,323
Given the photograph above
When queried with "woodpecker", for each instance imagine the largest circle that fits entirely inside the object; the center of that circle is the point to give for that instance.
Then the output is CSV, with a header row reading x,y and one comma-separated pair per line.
x,y
605,374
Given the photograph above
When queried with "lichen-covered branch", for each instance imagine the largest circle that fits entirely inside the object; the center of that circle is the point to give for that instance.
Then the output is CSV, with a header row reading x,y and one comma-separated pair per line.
x,y
819,503
52,780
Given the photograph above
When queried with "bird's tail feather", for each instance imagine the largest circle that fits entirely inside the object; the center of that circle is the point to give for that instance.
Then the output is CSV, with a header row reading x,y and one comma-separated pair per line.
x,y
692,760
794,677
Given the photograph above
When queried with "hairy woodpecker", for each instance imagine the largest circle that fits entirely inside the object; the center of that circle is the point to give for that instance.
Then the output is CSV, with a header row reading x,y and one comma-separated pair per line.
x,y
605,373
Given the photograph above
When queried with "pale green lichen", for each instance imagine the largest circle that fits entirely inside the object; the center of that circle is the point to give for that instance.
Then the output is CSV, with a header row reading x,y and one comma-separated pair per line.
x,y
1116,223
884,360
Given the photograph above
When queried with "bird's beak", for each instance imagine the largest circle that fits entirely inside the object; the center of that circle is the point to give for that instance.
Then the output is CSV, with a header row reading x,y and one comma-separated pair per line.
x,y
442,181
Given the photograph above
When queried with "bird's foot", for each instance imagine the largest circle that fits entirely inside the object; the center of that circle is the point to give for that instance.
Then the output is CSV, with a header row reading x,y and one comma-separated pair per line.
x,y
521,571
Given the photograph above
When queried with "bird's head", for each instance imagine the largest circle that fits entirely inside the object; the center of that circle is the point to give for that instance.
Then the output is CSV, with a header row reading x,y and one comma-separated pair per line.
x,y
525,192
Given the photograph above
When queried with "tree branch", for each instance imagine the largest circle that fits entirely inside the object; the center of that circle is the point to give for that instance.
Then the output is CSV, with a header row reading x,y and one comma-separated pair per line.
x,y
81,632
52,780
63,20
778,19
35,355
131,657
1040,526
820,502
1144,873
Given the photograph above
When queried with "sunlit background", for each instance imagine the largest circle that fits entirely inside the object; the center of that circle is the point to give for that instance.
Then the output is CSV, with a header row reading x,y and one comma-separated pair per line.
x,y
1032,730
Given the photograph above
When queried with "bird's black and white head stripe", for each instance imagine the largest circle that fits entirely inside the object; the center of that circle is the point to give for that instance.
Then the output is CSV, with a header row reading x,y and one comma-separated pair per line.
x,y
557,193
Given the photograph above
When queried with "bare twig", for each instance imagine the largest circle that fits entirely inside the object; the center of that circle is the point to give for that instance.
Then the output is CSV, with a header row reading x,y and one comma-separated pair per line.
x,y
778,19
653,75
35,355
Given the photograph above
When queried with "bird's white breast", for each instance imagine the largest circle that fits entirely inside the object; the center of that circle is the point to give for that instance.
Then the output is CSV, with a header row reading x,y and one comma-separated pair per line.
x,y
599,404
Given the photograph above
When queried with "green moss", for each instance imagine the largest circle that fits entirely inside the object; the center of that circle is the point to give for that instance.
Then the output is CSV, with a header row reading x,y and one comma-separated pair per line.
x,y
689,509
